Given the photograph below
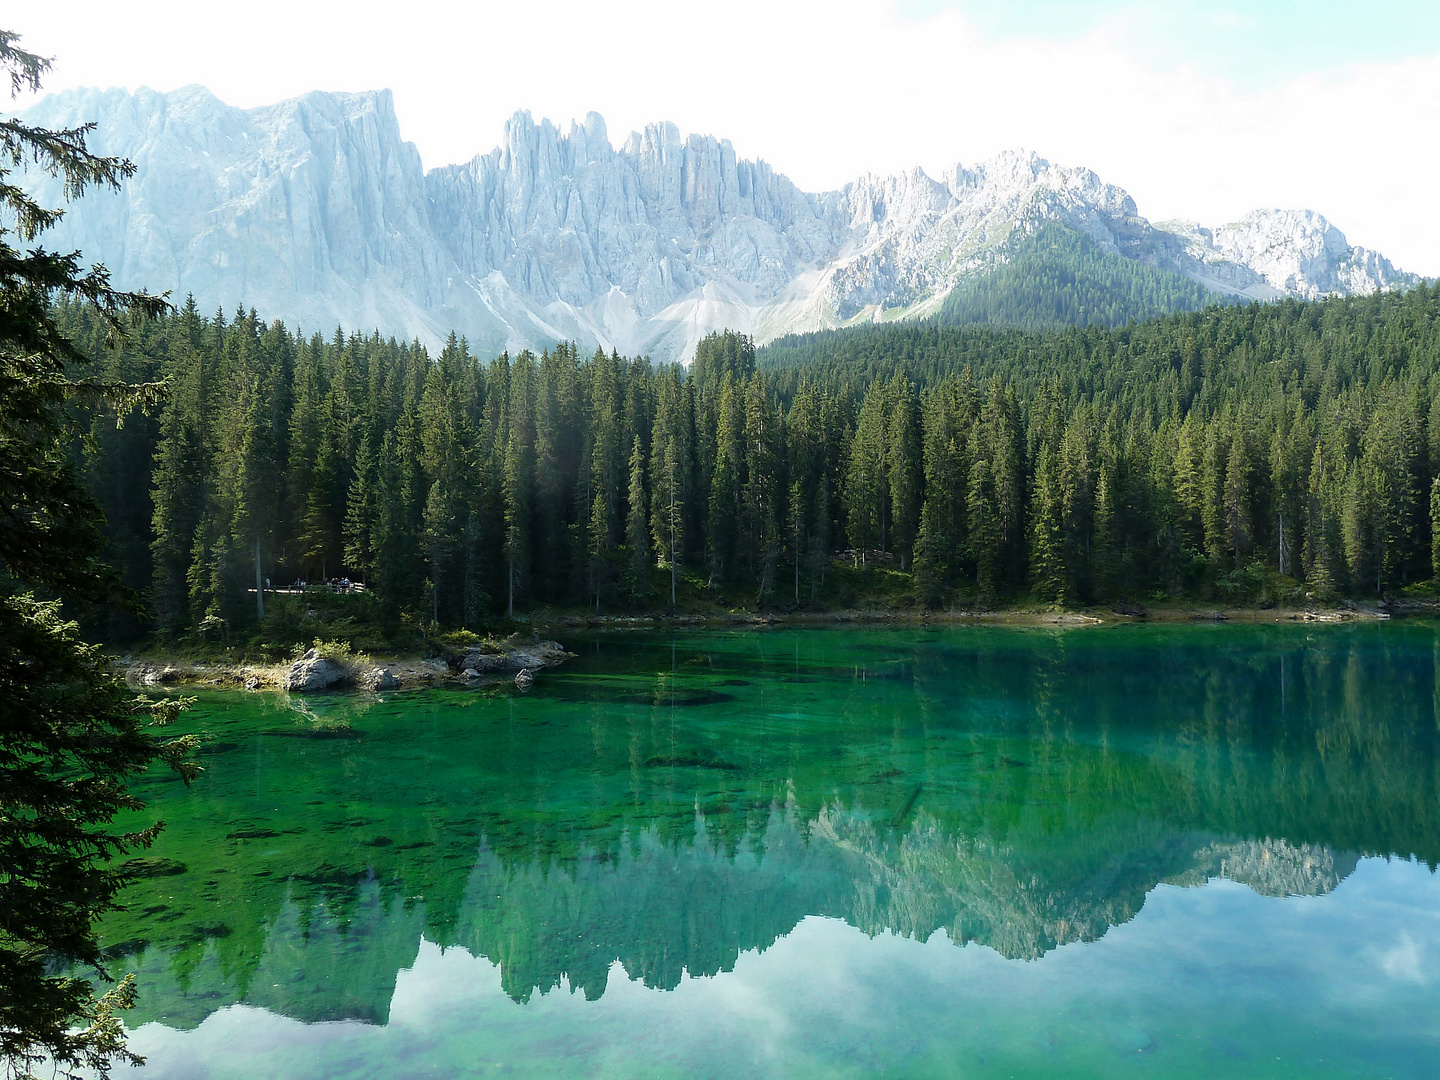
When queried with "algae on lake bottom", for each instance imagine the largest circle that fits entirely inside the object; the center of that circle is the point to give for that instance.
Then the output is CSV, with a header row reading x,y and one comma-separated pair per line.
x,y
742,866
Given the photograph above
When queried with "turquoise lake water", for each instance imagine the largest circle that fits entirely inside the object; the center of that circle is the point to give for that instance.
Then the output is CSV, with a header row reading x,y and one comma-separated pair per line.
x,y
1150,851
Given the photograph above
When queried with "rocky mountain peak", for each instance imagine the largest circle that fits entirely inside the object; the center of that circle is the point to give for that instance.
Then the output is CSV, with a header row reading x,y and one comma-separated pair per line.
x,y
317,211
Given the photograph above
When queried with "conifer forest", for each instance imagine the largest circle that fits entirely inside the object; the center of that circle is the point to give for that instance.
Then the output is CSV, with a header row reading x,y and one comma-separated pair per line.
x,y
1234,454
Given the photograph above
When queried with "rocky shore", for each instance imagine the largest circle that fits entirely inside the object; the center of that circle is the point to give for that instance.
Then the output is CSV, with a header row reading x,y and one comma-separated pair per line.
x,y
496,663
321,669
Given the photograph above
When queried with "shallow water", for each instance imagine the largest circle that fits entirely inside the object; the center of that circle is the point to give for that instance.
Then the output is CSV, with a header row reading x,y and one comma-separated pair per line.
x,y
1171,851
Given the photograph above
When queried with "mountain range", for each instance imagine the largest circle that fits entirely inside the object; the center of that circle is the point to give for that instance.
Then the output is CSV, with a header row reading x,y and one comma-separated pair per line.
x,y
316,211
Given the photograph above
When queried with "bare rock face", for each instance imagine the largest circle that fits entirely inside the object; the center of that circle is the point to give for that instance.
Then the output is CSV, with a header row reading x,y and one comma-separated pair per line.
x,y
314,672
379,678
1278,868
316,210
541,654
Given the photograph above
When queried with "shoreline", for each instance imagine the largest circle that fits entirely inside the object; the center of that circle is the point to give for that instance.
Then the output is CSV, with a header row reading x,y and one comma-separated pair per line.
x,y
345,671
1096,616
147,669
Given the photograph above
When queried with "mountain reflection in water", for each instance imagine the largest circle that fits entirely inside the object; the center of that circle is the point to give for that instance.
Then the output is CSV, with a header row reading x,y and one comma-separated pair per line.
x,y
676,802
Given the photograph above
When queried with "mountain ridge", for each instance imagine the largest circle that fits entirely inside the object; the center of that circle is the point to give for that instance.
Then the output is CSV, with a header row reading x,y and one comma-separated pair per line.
x,y
316,210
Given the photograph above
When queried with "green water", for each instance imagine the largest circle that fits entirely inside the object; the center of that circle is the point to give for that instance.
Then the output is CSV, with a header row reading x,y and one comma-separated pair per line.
x,y
975,852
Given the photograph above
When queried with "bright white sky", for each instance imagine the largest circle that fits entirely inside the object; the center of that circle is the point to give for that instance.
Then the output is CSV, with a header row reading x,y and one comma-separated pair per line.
x,y
1199,108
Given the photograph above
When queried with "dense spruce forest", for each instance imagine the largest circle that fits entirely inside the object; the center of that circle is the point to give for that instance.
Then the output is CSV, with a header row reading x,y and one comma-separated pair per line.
x,y
1237,454
1058,277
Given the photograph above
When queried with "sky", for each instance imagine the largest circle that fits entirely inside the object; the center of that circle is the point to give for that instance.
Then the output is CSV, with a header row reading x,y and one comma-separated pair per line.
x,y
1200,110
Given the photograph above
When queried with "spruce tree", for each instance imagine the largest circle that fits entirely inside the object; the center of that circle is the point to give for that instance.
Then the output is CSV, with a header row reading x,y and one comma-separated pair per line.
x,y
722,525
637,532
670,472
439,541
1047,564
1213,474
362,513
1322,548
1238,522
394,537
763,486
71,736
985,532
519,450
1435,532
178,474
904,467
1104,557
1361,566
866,494
1077,478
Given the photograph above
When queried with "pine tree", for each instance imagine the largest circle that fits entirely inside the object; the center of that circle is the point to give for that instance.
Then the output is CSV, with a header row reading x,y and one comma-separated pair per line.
x,y
71,736
256,493
1355,525
722,527
599,547
932,551
1239,537
306,437
1077,479
1322,547
1390,475
558,426
362,513
519,447
1435,531
1003,436
394,540
178,476
670,472
1214,472
1286,469
948,420
866,494
904,474
818,557
795,532
1104,558
1190,485
985,535
439,540
607,469
637,532
1047,564
762,487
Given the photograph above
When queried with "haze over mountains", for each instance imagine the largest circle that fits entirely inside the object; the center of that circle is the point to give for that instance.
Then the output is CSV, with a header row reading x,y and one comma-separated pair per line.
x,y
316,211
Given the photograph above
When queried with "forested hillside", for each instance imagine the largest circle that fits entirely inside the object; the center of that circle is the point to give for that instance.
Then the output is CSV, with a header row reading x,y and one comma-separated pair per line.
x,y
1234,453
1060,277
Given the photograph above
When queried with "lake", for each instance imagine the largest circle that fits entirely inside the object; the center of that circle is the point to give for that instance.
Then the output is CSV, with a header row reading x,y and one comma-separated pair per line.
x,y
1151,851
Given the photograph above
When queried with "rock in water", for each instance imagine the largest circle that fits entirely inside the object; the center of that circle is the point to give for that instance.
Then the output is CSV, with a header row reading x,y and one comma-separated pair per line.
x,y
541,654
379,679
147,674
524,680
314,672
